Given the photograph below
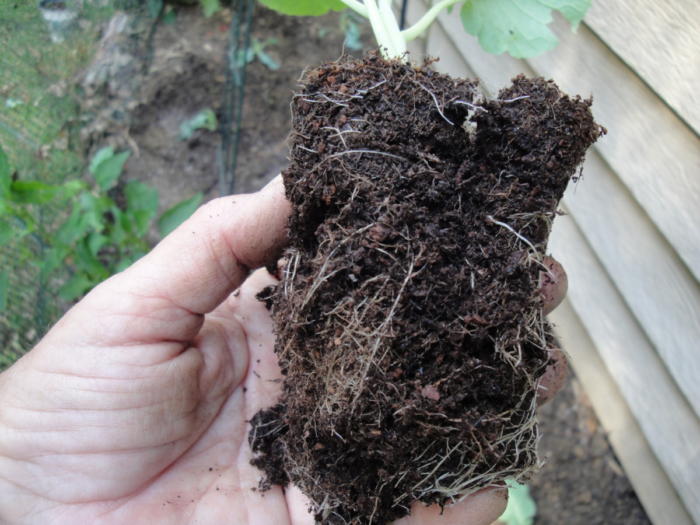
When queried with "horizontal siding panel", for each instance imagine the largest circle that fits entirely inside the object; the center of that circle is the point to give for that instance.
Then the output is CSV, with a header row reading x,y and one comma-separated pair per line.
x,y
653,152
660,40
656,286
650,482
667,420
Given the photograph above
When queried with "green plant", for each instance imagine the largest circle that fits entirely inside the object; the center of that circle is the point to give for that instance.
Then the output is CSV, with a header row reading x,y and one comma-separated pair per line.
x,y
105,231
519,28
210,7
350,26
521,509
204,119
257,50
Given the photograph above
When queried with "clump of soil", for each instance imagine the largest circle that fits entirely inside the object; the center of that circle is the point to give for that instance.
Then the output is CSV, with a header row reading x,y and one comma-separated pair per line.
x,y
410,327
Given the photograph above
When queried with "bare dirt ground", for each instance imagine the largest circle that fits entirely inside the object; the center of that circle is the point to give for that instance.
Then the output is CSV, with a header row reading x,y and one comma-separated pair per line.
x,y
187,73
582,482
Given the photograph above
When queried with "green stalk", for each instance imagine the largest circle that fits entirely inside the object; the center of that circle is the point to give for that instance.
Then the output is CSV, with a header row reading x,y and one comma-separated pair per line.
x,y
384,25
390,38
419,27
393,29
384,39
356,6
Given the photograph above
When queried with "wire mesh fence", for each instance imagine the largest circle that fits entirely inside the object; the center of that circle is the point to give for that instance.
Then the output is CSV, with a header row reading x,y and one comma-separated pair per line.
x,y
58,63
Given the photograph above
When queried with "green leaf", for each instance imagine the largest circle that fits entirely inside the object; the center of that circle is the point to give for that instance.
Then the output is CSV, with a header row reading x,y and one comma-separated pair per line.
x,y
140,196
72,187
52,259
87,215
170,16
32,192
519,27
267,60
141,220
205,119
304,7
102,154
154,7
5,175
142,204
117,235
6,232
94,208
521,507
95,242
245,56
573,10
109,169
87,262
75,287
71,229
352,30
210,7
173,217
257,49
124,263
4,288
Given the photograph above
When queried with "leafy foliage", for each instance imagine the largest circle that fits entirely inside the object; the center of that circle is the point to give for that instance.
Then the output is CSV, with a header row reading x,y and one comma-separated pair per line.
x,y
104,232
4,287
210,7
521,507
258,48
304,7
204,119
573,10
154,7
106,167
519,27
172,218
5,176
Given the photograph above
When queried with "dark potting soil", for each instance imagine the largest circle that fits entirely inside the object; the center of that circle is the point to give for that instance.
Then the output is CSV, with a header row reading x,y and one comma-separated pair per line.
x,y
409,323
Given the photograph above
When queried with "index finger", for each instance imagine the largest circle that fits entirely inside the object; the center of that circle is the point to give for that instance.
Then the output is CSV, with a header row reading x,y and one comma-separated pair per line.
x,y
210,255
164,295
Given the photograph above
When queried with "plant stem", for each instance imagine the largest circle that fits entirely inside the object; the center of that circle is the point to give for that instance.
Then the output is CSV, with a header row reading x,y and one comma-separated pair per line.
x,y
386,43
393,30
356,6
386,29
419,27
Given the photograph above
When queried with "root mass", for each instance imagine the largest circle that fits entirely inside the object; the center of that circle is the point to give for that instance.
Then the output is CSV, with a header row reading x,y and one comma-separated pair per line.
x,y
409,325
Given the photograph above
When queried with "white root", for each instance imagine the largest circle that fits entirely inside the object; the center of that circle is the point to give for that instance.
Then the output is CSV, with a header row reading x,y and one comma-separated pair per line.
x,y
437,104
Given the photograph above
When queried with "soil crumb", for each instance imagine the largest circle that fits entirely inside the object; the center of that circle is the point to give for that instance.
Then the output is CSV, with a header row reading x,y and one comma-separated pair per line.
x,y
409,323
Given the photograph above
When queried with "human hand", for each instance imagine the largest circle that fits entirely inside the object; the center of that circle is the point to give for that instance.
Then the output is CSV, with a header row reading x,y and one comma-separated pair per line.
x,y
134,407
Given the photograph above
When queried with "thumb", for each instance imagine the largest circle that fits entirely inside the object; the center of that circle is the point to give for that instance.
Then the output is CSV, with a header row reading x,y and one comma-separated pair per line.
x,y
164,295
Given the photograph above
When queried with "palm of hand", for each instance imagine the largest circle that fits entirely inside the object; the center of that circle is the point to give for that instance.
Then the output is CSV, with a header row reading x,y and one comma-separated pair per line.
x,y
134,408
149,433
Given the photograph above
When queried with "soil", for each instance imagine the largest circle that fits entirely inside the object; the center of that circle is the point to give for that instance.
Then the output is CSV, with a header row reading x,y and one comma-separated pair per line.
x,y
409,321
582,482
